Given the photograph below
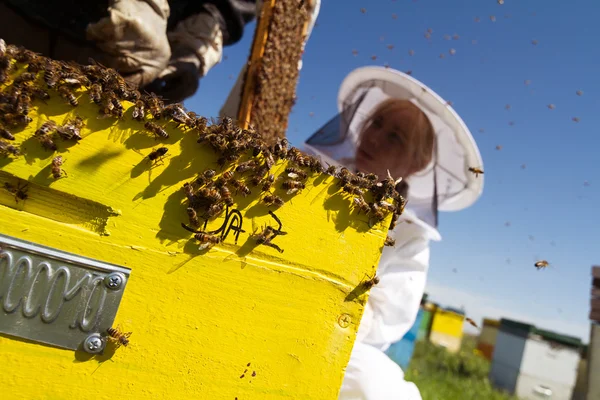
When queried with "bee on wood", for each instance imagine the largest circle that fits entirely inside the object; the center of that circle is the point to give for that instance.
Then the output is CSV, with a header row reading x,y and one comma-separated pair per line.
x,y
369,283
15,120
25,77
377,214
292,186
51,75
295,173
389,241
193,217
215,209
354,190
66,94
331,170
8,149
272,200
139,111
57,171
227,176
117,337
158,154
280,149
38,93
20,192
476,171
46,128
241,187
75,79
205,177
266,236
45,140
211,194
226,195
6,134
246,166
541,264
470,321
154,105
362,205
23,104
177,113
158,131
95,93
207,240
71,130
117,109
268,182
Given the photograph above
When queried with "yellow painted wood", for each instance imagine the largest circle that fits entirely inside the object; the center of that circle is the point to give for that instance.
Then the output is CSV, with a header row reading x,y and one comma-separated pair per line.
x,y
237,321
447,322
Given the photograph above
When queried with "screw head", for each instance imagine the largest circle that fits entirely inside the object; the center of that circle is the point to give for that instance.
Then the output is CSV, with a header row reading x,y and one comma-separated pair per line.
x,y
344,320
94,343
114,281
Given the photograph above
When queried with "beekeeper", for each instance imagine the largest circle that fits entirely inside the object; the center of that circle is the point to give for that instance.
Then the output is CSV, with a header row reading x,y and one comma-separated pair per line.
x,y
159,45
390,121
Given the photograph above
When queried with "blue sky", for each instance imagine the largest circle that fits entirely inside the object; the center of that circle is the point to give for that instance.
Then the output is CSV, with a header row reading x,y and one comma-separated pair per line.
x,y
545,181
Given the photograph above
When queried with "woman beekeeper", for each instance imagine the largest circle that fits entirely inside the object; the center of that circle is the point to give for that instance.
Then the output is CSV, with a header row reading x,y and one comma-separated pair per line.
x,y
390,121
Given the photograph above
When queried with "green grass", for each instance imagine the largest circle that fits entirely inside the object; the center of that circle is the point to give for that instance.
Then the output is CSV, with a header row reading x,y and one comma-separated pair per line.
x,y
440,375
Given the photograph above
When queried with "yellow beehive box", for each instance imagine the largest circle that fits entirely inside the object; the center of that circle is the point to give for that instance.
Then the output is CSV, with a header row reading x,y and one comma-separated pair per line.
x,y
447,330
235,320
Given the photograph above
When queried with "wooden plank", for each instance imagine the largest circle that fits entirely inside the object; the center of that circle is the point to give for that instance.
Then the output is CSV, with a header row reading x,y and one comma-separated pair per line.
x,y
593,389
236,320
596,291
595,305
258,46
596,272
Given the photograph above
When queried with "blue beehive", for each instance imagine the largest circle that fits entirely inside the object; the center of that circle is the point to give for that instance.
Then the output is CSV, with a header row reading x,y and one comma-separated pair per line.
x,y
401,351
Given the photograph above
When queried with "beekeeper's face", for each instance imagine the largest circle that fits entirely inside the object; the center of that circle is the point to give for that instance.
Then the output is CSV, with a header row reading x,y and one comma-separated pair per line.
x,y
399,138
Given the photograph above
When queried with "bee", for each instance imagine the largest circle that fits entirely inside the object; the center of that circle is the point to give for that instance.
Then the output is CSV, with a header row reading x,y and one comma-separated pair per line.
x,y
344,176
215,209
193,217
205,177
66,94
46,128
155,105
331,170
76,80
354,190
266,236
280,149
541,264
268,182
6,134
470,321
476,171
211,194
117,337
362,205
377,214
241,187
25,77
117,107
246,166
295,173
6,148
389,241
57,171
47,142
226,195
369,283
51,76
315,165
95,93
71,130
16,119
177,113
138,111
158,131
272,200
292,186
20,192
158,154
206,240
227,175
23,104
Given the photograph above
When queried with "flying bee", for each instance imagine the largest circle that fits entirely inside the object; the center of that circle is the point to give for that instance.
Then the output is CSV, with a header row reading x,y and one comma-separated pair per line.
x,y
20,192
193,217
158,131
158,154
389,241
46,128
25,77
226,195
541,264
246,166
117,337
369,283
272,200
95,93
476,171
207,240
66,94
362,205
57,171
241,187
295,173
6,134
470,321
155,105
138,111
268,182
292,186
15,120
71,130
6,148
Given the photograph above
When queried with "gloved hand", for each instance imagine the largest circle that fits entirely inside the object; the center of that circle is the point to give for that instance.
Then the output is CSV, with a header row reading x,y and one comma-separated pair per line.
x,y
197,45
135,35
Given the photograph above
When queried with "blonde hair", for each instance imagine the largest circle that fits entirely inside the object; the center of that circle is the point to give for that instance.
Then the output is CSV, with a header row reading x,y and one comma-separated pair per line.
x,y
421,141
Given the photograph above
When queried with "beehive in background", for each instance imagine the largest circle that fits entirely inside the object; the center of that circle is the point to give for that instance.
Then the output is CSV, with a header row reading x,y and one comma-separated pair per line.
x,y
259,306
534,363
487,337
269,88
447,329
426,321
402,351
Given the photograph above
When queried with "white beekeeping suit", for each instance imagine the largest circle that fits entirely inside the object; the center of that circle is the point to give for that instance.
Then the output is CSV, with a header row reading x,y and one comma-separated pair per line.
x,y
445,184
